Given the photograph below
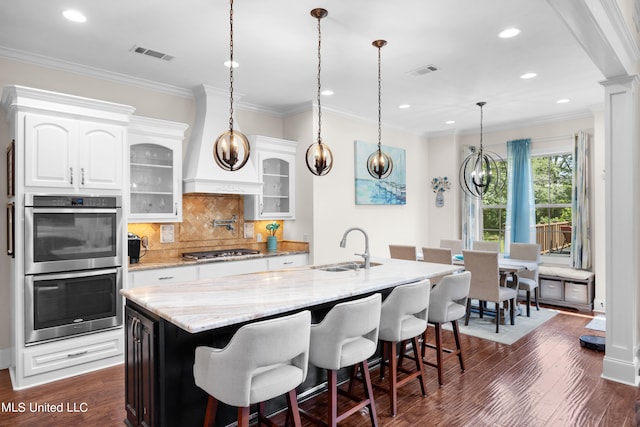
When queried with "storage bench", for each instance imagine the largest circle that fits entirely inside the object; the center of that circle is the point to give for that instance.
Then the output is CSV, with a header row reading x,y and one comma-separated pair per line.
x,y
566,287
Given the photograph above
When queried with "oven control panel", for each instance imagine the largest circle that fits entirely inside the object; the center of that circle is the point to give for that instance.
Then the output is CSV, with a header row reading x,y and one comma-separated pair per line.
x,y
73,201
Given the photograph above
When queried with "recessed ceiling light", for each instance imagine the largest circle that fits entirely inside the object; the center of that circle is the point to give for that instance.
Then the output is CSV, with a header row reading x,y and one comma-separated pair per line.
x,y
403,106
528,76
327,92
563,101
508,33
74,15
229,63
449,122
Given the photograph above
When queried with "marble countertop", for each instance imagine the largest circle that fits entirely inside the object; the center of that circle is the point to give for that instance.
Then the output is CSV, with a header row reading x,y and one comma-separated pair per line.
x,y
214,303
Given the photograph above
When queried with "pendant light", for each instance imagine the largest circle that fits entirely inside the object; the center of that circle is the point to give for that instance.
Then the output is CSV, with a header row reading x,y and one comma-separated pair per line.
x,y
319,157
379,163
231,150
479,173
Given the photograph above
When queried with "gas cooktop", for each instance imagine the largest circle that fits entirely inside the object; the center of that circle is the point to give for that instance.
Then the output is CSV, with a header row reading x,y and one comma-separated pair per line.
x,y
219,253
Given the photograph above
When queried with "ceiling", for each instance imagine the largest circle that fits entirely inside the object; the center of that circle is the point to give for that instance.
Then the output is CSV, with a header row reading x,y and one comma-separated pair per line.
x,y
275,43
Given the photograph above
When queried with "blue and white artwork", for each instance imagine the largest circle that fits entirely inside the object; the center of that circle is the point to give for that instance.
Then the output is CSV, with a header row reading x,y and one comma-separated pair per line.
x,y
391,190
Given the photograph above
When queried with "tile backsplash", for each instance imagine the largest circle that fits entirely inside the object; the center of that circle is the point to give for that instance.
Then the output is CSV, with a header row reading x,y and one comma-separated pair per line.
x,y
196,231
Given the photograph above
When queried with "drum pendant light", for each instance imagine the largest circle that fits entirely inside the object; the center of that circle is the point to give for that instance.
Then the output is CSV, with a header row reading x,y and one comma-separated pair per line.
x,y
479,173
231,150
379,163
319,158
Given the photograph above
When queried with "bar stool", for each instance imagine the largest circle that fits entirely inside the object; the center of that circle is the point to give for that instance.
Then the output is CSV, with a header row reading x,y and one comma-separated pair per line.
x,y
448,304
403,318
263,360
347,336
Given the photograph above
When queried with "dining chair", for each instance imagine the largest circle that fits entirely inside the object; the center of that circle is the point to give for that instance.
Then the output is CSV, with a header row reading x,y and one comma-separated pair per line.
x,y
263,360
437,255
454,245
485,245
527,280
403,252
448,303
485,284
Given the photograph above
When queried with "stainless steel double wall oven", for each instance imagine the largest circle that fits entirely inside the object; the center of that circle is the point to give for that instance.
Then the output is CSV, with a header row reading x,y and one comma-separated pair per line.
x,y
73,265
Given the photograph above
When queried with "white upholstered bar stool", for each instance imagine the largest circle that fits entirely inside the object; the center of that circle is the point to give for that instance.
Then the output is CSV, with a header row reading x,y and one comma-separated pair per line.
x,y
347,336
263,360
448,303
403,318
527,280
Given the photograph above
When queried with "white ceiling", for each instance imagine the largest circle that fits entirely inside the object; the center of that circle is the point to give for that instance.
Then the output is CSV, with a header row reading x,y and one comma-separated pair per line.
x,y
276,45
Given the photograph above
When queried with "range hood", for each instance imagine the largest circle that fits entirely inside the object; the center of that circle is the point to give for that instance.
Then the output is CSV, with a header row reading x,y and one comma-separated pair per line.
x,y
201,173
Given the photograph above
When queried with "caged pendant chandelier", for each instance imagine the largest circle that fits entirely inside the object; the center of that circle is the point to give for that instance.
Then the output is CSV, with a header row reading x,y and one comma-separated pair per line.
x,y
231,150
479,172
379,163
319,158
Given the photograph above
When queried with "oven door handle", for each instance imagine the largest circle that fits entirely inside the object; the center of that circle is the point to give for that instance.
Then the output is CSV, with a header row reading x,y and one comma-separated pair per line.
x,y
74,210
71,275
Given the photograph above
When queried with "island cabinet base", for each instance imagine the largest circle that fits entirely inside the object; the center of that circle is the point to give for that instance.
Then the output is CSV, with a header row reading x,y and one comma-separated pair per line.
x,y
160,388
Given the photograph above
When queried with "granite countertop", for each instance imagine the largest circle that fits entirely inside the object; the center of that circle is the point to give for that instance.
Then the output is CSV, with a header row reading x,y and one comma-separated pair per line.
x,y
178,261
214,303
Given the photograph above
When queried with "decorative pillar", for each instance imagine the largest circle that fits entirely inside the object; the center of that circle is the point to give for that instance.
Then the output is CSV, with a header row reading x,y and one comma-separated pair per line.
x,y
622,200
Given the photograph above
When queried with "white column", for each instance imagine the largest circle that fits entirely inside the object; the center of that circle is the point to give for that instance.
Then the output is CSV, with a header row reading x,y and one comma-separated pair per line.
x,y
622,157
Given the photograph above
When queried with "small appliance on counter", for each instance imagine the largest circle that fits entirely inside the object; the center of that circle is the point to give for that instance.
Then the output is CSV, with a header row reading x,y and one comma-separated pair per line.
x,y
134,248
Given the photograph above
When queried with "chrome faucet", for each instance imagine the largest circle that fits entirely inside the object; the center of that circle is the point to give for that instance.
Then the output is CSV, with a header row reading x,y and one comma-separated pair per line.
x,y
365,255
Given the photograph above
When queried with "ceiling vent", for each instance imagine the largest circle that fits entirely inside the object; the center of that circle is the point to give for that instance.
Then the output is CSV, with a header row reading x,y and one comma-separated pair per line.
x,y
423,70
152,53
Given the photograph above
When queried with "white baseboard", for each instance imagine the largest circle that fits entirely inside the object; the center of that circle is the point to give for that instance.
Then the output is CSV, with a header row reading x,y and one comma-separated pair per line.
x,y
5,358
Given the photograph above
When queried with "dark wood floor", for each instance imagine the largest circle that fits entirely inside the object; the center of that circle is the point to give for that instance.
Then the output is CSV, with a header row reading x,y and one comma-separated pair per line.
x,y
544,379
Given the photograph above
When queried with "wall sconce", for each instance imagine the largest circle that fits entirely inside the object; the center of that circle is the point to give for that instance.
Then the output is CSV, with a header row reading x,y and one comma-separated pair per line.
x,y
439,185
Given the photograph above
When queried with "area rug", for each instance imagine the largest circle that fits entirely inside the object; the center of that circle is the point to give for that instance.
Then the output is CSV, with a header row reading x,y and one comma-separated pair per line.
x,y
598,323
485,328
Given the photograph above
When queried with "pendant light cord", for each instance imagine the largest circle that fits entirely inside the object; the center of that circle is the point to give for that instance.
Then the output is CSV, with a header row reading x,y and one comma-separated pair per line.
x,y
319,87
231,66
379,101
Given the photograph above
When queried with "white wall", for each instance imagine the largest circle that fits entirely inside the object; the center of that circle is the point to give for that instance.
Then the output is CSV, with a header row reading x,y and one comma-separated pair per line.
x,y
333,208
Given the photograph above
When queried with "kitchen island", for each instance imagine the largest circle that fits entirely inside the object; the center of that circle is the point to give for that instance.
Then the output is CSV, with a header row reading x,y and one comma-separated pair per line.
x,y
166,323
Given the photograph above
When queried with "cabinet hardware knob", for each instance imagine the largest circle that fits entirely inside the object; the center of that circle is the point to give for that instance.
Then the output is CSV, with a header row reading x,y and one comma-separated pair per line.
x,y
81,176
80,353
71,175
165,278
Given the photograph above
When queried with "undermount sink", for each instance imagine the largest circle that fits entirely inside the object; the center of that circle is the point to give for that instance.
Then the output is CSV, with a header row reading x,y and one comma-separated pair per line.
x,y
344,266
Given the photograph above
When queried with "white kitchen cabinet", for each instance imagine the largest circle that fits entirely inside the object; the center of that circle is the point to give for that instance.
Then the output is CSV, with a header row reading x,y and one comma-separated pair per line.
x,y
162,276
155,170
230,268
277,169
73,154
288,261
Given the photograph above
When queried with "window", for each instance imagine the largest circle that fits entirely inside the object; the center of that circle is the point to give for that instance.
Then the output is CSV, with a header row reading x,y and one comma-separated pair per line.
x,y
552,183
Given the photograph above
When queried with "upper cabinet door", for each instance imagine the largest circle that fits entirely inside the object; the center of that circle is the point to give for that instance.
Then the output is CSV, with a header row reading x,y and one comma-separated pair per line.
x,y
276,160
101,156
49,151
155,170
72,154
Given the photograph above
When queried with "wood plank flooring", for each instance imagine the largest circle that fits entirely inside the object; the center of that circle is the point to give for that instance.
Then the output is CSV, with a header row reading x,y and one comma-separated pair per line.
x,y
544,379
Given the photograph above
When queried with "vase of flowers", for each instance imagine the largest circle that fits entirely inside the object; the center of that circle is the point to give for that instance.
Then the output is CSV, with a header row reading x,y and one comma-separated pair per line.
x,y
439,185
272,243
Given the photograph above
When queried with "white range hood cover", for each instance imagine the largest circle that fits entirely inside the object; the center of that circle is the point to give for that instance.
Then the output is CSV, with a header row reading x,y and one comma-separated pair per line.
x,y
201,173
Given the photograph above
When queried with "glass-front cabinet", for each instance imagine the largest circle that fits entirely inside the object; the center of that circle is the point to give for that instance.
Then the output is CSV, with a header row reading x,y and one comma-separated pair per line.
x,y
155,170
276,163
